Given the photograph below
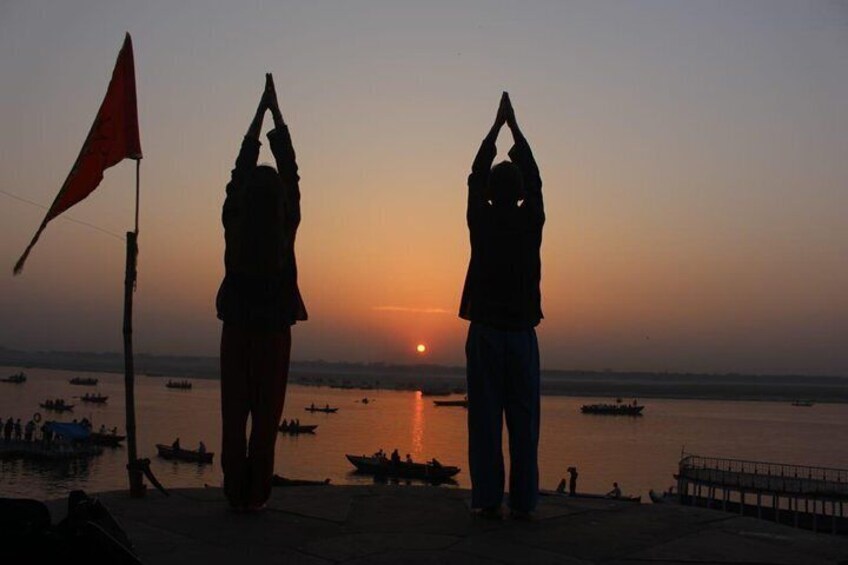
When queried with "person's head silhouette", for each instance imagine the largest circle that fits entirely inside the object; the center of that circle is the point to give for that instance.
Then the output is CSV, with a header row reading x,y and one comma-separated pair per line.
x,y
506,186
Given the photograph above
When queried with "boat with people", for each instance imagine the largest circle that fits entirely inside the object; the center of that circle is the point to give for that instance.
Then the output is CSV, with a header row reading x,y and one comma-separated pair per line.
x,y
618,409
182,385
180,454
460,403
106,439
95,398
432,471
326,409
84,381
17,378
57,405
297,429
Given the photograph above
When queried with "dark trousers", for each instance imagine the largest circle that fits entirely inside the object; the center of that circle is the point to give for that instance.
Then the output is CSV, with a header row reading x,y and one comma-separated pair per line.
x,y
254,372
503,378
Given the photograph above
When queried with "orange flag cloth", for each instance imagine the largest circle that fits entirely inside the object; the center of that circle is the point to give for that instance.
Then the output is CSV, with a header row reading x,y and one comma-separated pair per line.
x,y
113,137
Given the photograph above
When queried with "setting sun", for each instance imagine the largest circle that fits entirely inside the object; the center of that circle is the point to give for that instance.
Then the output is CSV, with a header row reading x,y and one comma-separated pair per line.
x,y
421,348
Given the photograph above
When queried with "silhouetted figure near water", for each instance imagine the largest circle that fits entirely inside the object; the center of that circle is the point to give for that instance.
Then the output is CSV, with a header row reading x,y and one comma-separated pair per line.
x,y
501,298
258,301
572,480
8,428
615,492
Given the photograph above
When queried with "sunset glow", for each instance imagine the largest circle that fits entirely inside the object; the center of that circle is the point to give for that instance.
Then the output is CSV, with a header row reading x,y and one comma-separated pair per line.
x,y
693,194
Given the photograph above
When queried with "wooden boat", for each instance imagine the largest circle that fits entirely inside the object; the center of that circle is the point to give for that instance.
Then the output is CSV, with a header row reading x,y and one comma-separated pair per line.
x,y
183,385
326,410
617,409
803,403
589,495
168,452
84,381
291,429
57,407
382,467
461,403
94,398
17,378
442,391
106,440
279,481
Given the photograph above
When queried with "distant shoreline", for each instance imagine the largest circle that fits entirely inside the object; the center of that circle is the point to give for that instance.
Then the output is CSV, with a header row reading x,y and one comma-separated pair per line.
x,y
605,384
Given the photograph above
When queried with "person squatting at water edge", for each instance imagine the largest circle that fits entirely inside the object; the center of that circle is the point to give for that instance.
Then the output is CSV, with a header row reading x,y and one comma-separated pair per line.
x,y
502,300
258,301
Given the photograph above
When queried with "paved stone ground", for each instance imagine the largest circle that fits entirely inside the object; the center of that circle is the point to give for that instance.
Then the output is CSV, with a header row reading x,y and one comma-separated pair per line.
x,y
414,525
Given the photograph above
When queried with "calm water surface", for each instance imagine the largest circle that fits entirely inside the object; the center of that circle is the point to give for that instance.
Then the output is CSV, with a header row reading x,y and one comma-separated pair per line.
x,y
639,453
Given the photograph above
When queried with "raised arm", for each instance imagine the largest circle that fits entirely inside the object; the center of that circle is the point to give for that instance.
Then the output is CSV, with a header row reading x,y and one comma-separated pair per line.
x,y
283,150
522,156
479,177
249,152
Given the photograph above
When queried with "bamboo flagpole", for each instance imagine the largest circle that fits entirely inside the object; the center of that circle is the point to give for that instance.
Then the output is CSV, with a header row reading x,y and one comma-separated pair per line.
x,y
113,137
135,468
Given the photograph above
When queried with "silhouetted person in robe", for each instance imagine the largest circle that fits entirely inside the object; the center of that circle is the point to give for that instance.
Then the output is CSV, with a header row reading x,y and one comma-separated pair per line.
x,y
258,301
502,301
572,481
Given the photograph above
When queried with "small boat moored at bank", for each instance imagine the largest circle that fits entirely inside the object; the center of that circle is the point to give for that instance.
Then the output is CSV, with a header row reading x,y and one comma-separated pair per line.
x,y
96,398
182,385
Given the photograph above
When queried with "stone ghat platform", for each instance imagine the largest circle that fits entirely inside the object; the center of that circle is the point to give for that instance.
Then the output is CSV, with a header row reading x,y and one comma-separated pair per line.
x,y
413,525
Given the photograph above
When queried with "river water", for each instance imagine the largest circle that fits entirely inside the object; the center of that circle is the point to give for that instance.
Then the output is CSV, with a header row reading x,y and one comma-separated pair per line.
x,y
639,453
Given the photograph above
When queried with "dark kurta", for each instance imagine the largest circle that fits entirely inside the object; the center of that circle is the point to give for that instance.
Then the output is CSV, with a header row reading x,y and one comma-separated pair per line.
x,y
259,290
502,284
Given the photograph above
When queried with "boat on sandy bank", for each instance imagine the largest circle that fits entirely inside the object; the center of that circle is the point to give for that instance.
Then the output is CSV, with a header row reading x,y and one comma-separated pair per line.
x,y
84,381
94,398
168,452
382,467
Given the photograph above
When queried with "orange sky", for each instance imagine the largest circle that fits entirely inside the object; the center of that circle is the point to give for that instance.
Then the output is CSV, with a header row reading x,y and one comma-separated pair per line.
x,y
692,158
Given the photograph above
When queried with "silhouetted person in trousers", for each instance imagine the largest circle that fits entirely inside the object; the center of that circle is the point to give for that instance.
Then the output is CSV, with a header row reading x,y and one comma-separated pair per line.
x,y
258,301
501,298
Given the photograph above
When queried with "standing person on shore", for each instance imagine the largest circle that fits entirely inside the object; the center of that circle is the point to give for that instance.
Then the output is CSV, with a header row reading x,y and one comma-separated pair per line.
x,y
502,301
258,301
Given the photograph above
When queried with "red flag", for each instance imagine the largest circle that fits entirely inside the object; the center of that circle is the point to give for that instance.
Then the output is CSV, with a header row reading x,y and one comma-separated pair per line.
x,y
112,138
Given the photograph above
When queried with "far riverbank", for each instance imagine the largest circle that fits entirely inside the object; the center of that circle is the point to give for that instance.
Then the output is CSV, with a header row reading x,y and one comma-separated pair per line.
x,y
368,376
